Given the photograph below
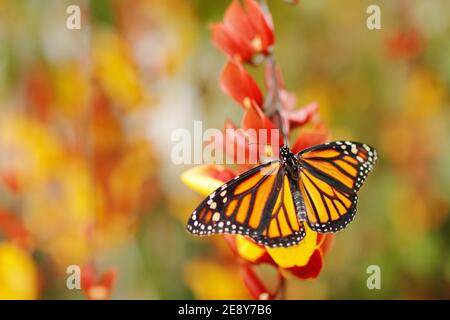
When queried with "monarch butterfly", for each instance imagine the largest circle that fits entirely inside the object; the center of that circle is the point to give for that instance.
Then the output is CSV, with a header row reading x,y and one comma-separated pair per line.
x,y
271,202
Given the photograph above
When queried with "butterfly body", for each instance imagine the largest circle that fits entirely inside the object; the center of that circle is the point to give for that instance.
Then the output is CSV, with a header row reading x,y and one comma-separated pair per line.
x,y
290,161
271,202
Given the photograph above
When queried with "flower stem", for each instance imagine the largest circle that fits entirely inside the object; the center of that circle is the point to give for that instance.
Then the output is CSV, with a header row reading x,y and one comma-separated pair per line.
x,y
273,102
264,6
280,292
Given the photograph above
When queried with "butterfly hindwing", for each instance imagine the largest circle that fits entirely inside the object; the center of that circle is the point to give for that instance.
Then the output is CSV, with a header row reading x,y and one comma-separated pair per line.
x,y
330,176
256,204
282,227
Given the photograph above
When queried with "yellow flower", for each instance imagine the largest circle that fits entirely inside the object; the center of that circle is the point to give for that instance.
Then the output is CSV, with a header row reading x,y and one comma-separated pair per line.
x,y
61,211
115,70
424,95
249,249
213,280
31,151
71,90
298,255
18,274
201,179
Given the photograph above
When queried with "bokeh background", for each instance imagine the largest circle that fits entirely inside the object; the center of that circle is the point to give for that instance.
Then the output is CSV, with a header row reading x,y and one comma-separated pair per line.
x,y
86,118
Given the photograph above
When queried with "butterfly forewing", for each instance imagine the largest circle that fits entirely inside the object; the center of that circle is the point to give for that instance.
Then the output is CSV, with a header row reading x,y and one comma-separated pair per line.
x,y
330,176
257,204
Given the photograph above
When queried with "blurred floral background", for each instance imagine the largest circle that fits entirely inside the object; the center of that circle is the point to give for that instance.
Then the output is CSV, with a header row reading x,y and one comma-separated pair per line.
x,y
86,118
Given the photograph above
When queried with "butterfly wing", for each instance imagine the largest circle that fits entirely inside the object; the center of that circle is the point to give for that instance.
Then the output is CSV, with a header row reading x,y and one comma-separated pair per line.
x,y
282,228
257,204
330,176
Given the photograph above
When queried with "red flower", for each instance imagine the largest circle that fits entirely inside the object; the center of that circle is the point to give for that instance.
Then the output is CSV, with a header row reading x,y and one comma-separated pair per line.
x,y
39,91
235,141
312,269
305,262
236,82
10,181
254,118
404,44
95,287
254,139
12,228
291,117
299,117
254,254
246,30
306,139
222,174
